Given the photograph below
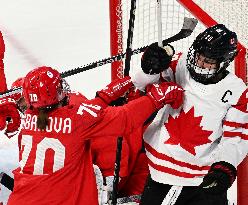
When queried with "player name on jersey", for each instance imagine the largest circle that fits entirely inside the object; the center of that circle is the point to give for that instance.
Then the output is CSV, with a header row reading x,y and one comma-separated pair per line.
x,y
56,124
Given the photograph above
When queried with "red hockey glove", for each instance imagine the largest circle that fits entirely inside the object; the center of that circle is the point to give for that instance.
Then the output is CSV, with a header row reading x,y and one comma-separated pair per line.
x,y
134,93
165,93
219,178
115,89
9,113
156,59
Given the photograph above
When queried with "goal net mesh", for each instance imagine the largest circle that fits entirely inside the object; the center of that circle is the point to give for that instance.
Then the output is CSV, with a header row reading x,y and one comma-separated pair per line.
x,y
232,13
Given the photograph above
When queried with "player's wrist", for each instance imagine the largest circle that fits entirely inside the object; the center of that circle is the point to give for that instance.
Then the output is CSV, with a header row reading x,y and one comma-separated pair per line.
x,y
115,89
226,168
219,178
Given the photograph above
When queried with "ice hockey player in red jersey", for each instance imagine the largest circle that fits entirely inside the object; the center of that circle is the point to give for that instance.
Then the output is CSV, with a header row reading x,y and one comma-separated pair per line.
x,y
103,150
133,163
9,121
55,156
133,168
193,151
3,85
6,122
10,128
132,185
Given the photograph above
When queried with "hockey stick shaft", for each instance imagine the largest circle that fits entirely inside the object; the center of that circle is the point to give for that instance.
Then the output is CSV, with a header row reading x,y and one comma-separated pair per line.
x,y
159,22
126,73
188,27
127,199
117,170
7,181
130,38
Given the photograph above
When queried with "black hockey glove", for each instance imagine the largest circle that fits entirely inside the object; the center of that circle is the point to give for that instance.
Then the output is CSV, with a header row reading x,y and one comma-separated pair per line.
x,y
219,178
156,59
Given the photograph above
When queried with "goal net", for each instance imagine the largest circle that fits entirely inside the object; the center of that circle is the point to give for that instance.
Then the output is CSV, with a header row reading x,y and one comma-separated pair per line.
x,y
232,13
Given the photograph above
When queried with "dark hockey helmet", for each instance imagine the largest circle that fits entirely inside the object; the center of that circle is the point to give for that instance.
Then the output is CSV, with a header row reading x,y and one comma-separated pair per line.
x,y
217,43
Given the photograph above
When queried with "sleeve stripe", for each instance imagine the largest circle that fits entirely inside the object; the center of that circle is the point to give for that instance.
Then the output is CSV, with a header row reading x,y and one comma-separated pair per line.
x,y
235,134
235,124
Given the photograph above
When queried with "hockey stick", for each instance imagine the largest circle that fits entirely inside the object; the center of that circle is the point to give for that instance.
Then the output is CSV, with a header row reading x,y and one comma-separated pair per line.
x,y
159,22
7,181
187,29
189,25
130,38
127,199
123,100
117,171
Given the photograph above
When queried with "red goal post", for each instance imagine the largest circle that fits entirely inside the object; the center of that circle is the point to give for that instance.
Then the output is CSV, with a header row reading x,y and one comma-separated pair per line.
x,y
232,13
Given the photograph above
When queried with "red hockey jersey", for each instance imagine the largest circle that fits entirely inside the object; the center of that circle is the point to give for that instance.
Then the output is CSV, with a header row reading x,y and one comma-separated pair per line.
x,y
3,85
134,182
56,164
104,154
104,151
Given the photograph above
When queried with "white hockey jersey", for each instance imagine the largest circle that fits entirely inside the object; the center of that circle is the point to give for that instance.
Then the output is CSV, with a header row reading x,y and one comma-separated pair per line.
x,y
211,126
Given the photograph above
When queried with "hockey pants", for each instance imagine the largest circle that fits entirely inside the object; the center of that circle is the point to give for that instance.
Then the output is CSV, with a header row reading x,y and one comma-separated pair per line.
x,y
154,194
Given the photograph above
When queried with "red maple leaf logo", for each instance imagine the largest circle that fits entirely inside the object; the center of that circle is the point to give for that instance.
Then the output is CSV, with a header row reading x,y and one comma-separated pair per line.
x,y
186,131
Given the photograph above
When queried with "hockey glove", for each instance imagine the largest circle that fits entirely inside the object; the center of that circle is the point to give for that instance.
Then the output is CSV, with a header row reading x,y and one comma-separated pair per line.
x,y
165,93
115,90
156,59
219,178
134,93
9,115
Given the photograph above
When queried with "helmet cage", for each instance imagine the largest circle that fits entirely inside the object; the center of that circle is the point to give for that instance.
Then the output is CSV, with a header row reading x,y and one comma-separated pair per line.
x,y
65,86
17,95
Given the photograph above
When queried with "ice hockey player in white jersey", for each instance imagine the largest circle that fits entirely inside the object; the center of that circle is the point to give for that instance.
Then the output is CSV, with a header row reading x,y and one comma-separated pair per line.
x,y
194,150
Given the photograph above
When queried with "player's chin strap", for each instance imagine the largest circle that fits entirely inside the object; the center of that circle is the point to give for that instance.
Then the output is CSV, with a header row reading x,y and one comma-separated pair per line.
x,y
172,195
